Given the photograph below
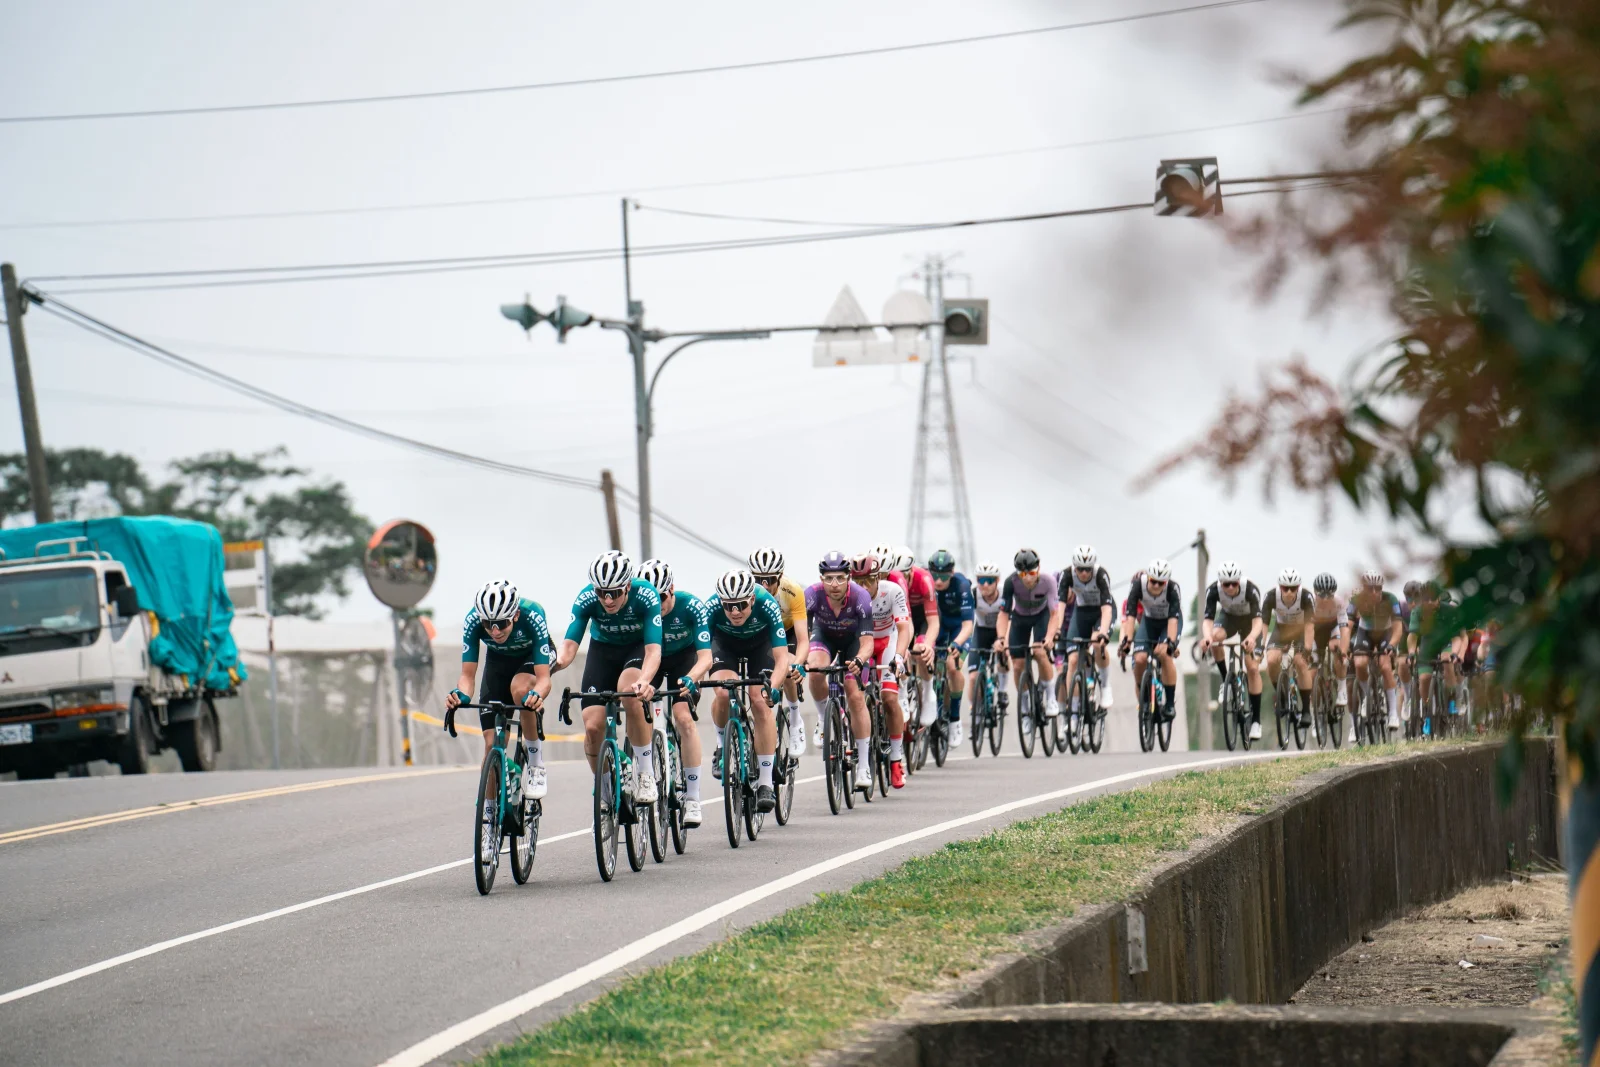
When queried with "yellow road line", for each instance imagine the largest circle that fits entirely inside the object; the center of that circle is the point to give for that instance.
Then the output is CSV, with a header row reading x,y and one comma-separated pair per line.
x,y
89,822
422,716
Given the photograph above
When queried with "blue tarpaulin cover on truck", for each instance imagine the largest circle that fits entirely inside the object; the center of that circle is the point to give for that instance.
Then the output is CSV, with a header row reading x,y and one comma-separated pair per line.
x,y
176,567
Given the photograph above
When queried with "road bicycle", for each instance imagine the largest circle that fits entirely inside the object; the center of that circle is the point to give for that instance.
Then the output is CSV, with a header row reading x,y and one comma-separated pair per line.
x,y
1031,719
670,795
1234,698
615,813
1327,717
1371,705
502,811
989,703
740,771
1154,723
1086,719
935,740
878,749
838,751
915,735
1293,717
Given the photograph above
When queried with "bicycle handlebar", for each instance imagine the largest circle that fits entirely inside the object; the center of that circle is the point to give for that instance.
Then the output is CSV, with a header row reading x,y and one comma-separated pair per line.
x,y
567,696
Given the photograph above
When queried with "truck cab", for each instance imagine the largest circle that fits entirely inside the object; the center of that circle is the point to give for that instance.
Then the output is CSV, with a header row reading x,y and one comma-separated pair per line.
x,y
76,681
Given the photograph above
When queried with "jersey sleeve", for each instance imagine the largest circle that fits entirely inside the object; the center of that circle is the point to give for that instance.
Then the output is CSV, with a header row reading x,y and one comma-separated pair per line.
x,y
540,655
650,602
1212,597
1102,582
700,620
968,610
470,637
1005,594
774,616
1174,602
863,608
902,608
1269,606
1130,605
1052,595
1253,599
582,607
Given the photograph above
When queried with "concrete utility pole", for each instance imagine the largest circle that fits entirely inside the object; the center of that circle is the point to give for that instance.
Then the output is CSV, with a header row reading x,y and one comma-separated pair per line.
x,y
1202,671
33,444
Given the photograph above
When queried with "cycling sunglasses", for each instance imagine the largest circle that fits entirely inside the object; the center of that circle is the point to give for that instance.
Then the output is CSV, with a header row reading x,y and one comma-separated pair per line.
x,y
987,581
496,627
737,605
1029,573
611,594
1229,585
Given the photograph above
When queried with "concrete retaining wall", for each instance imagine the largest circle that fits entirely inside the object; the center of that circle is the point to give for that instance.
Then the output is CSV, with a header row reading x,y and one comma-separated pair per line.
x,y
1249,916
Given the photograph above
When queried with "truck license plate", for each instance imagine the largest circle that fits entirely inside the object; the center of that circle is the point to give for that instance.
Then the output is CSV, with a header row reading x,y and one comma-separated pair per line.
x,y
19,733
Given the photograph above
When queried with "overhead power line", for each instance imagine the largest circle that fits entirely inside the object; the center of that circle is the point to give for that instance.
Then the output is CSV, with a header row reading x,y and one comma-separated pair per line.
x,y
84,320
758,179
614,79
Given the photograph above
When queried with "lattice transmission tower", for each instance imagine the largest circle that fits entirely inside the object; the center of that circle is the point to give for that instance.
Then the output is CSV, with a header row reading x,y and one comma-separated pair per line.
x,y
941,515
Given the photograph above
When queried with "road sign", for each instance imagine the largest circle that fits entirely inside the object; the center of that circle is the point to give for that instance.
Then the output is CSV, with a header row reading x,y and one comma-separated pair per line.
x,y
852,342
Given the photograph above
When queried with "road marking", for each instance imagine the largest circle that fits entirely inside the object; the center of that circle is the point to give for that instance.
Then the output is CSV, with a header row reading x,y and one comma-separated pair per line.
x,y
127,815
278,913
447,1040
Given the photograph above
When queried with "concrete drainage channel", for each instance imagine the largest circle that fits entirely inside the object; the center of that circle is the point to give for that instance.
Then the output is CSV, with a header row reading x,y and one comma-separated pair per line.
x,y
1248,917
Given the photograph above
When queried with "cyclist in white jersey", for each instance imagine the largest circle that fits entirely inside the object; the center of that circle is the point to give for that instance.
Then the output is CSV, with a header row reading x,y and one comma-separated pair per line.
x,y
1233,609
1288,613
891,631
986,607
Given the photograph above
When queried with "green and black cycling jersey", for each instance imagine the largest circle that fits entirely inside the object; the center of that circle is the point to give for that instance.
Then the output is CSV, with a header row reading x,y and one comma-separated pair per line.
x,y
528,642
766,617
637,622
686,626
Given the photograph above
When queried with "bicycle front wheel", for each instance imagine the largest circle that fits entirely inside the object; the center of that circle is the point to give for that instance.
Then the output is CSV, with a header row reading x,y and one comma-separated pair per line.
x,y
606,792
523,845
659,816
486,826
1280,712
1301,718
1147,714
1230,718
783,773
833,772
1025,713
733,772
1049,729
980,716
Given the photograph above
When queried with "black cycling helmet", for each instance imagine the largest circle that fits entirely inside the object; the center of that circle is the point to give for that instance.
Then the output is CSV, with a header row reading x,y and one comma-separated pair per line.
x,y
1026,559
1325,584
942,562
833,562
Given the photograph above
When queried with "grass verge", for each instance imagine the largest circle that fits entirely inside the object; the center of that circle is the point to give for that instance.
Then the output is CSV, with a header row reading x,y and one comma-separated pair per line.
x,y
785,988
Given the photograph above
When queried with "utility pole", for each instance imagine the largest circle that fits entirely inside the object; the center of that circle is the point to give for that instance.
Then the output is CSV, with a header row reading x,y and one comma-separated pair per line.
x,y
33,444
936,433
1202,671
641,405
608,489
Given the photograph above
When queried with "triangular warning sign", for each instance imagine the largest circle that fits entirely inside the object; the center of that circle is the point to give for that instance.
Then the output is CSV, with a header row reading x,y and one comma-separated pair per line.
x,y
846,311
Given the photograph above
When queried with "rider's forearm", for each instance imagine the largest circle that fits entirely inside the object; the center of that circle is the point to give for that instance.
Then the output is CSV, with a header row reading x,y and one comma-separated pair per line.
x,y
568,653
964,634
541,681
702,664
652,663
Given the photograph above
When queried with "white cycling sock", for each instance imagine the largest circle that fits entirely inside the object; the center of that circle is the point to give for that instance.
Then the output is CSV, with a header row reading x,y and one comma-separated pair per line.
x,y
863,751
897,747
644,758
764,766
720,731
1393,699
535,749
691,783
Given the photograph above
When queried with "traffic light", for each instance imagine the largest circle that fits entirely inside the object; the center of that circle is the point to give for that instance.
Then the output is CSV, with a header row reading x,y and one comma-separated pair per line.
x,y
966,322
566,317
1188,187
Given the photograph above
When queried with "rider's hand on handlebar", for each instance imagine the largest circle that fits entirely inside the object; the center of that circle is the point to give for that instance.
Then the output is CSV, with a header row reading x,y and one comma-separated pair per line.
x,y
455,698
532,700
643,689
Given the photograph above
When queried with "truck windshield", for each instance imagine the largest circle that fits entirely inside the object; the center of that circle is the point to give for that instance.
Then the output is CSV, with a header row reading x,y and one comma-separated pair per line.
x,y
39,603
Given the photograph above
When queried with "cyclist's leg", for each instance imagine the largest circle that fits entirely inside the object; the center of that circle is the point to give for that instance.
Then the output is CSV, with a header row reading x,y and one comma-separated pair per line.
x,y
1302,674
763,716
1169,674
1274,663
602,670
1141,662
641,734
498,675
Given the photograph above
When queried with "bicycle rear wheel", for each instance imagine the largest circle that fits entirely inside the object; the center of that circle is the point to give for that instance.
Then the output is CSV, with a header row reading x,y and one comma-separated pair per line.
x,y
635,828
1078,711
1280,712
659,816
733,773
605,812
680,832
1049,736
1147,722
997,723
526,844
980,715
486,827
783,773
1230,718
1301,719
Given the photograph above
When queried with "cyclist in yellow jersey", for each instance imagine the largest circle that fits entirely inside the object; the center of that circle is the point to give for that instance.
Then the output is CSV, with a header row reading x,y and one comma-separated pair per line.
x,y
766,564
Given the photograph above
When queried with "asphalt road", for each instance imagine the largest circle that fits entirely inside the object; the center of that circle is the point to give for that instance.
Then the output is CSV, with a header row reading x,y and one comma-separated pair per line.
x,y
364,977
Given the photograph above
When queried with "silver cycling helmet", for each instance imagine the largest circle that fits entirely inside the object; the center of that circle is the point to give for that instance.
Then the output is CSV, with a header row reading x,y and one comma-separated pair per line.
x,y
1159,570
658,573
988,569
737,584
1230,572
1085,556
1289,578
496,601
1372,577
611,570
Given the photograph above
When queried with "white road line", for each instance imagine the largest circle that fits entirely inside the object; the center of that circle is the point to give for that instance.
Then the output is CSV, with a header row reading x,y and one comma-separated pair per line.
x,y
429,1049
292,909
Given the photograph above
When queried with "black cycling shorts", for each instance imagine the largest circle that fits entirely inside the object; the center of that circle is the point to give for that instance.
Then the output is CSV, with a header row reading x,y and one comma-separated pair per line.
x,y
604,666
1326,633
1084,622
727,651
1151,632
1026,630
494,682
983,639
675,665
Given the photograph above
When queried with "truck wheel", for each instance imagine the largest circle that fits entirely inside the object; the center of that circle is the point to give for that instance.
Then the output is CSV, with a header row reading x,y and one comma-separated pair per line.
x,y
196,740
135,758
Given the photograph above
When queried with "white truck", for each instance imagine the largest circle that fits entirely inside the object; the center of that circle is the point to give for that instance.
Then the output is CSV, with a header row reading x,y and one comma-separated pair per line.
x,y
113,645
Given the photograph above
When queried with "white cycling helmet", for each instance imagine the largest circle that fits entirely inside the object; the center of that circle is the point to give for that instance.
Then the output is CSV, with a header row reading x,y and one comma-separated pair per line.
x,y
496,601
1085,557
1289,577
612,570
1372,576
1159,570
658,573
1230,572
904,559
988,569
737,584
888,555
767,562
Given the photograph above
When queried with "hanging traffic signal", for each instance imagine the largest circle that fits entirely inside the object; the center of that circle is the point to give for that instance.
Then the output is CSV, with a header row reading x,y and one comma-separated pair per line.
x,y
966,322
523,314
1188,187
566,317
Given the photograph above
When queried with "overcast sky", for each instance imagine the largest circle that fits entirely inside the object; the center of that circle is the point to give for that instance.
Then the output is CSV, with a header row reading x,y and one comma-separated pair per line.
x,y
1115,339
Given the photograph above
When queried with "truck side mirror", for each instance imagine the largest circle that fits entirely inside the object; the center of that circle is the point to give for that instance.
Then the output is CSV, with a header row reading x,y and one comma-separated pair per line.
x,y
127,601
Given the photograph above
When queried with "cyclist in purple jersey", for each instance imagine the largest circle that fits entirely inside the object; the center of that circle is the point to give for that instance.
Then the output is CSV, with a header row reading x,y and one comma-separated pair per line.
x,y
840,616
1030,615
